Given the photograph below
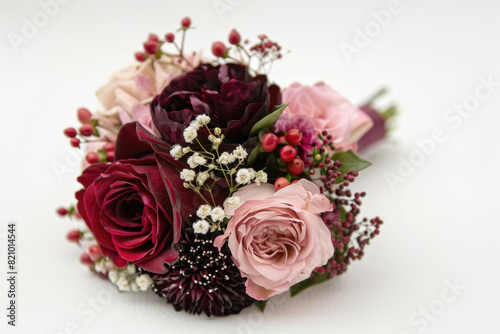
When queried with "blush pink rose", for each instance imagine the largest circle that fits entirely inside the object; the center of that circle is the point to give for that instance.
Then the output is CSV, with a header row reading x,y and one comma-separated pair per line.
x,y
277,238
329,111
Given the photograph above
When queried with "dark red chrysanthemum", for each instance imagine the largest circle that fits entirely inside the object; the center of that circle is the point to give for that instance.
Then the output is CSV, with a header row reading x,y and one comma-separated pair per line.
x,y
203,279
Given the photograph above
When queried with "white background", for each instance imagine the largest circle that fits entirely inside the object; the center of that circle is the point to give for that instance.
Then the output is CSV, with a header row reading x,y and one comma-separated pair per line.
x,y
441,220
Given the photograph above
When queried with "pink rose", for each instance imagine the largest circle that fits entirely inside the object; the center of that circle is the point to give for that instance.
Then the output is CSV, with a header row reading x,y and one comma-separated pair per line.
x,y
129,91
329,111
277,238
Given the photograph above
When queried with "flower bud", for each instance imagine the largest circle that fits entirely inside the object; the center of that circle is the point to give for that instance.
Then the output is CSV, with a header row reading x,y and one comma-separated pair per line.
x,y
234,37
84,115
219,49
62,212
73,236
140,56
151,47
70,132
186,22
170,37
153,37
94,252
92,157
75,142
85,259
86,130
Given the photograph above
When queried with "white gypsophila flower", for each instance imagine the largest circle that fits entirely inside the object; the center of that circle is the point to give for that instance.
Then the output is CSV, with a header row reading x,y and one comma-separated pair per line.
x,y
211,167
231,201
252,172
211,138
240,153
203,119
203,211
176,151
188,175
190,134
186,150
143,282
217,214
109,264
123,284
201,226
113,276
131,269
134,287
195,125
100,266
226,158
196,160
217,141
201,178
217,131
260,177
243,176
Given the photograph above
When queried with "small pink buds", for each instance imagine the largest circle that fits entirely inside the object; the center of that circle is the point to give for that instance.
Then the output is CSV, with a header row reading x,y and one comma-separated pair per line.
x,y
234,37
218,49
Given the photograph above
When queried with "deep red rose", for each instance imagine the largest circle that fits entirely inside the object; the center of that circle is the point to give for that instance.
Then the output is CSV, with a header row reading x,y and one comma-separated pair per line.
x,y
135,209
234,100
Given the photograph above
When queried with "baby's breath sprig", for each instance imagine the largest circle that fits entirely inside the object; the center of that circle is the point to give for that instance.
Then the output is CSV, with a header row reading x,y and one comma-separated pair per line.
x,y
209,165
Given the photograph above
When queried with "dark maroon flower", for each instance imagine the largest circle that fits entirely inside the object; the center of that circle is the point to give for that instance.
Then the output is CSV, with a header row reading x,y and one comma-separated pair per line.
x,y
204,279
135,209
234,100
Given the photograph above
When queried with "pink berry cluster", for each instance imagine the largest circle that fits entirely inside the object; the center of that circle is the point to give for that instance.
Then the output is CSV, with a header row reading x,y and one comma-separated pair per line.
x,y
152,46
264,52
86,130
267,48
85,133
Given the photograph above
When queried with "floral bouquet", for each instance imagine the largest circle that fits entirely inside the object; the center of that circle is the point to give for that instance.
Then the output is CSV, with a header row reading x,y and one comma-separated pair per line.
x,y
214,188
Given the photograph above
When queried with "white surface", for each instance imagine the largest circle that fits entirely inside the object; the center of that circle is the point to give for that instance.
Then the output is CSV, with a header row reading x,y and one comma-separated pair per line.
x,y
441,224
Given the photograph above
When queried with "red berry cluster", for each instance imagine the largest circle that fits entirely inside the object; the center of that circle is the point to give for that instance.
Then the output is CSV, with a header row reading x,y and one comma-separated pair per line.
x,y
287,153
264,52
87,130
267,48
219,49
152,46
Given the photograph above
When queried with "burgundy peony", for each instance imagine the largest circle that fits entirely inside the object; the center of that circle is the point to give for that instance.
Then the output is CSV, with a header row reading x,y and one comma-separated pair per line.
x,y
135,209
234,100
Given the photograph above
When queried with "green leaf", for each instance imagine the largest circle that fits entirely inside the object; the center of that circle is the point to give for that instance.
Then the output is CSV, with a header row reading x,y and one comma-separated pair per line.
x,y
94,123
268,121
350,161
253,155
71,211
262,133
343,213
261,304
301,286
